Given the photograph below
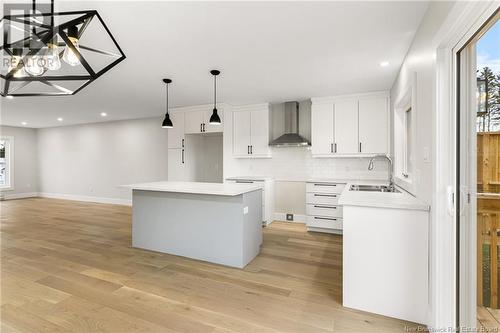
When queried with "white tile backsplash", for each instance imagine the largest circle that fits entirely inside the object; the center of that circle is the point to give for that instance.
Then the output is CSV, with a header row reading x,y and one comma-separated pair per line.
x,y
297,164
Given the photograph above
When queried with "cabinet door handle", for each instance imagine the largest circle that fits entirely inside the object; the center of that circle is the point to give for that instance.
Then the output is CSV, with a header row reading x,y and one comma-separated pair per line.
x,y
324,218
251,150
360,147
326,195
331,148
248,150
201,127
182,143
325,184
244,181
329,207
335,147
182,156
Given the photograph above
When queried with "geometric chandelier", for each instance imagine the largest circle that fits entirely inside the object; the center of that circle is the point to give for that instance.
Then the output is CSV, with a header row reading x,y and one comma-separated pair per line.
x,y
53,54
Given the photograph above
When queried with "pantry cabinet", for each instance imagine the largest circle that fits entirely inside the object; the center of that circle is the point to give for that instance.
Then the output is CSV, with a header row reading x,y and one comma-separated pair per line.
x,y
251,131
176,134
354,125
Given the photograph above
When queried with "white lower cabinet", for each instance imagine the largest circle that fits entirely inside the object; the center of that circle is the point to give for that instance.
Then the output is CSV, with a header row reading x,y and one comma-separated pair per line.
x,y
324,214
267,185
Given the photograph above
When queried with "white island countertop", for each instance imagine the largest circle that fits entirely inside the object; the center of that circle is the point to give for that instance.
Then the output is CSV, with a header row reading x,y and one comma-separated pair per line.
x,y
397,200
196,188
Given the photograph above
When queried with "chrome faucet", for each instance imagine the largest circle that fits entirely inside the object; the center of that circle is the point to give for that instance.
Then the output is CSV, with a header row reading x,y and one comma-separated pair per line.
x,y
370,167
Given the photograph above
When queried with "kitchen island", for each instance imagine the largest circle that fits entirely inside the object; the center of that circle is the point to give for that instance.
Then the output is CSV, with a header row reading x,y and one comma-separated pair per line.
x,y
218,223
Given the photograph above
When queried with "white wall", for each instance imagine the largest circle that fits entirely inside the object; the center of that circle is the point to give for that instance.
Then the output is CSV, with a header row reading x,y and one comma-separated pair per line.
x,y
24,165
89,161
421,59
204,157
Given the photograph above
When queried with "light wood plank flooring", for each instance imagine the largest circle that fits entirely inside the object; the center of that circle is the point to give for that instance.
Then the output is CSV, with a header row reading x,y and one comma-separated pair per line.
x,y
68,267
488,319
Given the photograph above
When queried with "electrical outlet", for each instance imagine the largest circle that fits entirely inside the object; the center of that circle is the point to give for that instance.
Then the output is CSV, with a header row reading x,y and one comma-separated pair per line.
x,y
289,217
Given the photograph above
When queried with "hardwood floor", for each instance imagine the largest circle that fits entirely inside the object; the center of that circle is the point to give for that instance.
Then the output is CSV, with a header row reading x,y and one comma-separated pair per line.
x,y
68,267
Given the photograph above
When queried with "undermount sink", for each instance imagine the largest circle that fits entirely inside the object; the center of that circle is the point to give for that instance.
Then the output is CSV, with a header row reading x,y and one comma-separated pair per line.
x,y
374,188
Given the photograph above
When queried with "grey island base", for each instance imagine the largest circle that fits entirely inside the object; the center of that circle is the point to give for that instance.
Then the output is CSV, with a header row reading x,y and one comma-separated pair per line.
x,y
218,223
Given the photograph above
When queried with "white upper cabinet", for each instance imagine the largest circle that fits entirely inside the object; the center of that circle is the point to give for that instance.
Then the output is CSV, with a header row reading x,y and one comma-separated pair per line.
x,y
354,125
241,133
373,125
346,126
194,121
259,132
322,124
251,131
176,134
198,120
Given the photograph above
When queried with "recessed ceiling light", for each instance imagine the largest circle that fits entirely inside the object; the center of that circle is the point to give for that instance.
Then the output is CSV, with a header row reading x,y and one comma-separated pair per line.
x,y
103,114
24,123
10,97
59,119
384,64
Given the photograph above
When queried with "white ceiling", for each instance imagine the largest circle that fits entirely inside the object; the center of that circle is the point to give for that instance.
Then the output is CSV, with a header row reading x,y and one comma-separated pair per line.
x,y
267,52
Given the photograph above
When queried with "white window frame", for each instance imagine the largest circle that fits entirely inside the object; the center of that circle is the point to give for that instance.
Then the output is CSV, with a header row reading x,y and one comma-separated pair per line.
x,y
9,158
403,176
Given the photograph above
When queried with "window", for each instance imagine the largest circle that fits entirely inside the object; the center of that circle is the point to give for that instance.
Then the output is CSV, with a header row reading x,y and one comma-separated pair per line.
x,y
407,151
5,162
404,136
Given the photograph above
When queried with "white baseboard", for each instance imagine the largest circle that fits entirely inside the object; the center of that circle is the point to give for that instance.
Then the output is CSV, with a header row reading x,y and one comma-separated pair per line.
x,y
13,196
297,218
114,201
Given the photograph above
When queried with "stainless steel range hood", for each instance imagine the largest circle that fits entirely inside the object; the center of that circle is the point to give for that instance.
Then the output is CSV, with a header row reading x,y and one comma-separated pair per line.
x,y
291,137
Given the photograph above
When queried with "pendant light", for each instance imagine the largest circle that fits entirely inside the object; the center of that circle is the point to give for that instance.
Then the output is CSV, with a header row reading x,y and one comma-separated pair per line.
x,y
167,123
214,118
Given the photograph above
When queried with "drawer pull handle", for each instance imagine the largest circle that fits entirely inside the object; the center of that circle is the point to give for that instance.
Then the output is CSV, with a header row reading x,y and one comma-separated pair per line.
x,y
324,218
326,195
329,207
245,181
325,184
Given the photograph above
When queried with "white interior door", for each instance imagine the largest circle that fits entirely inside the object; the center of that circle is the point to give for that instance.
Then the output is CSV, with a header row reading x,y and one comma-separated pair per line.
x,y
373,125
259,132
346,126
176,134
194,121
241,133
322,127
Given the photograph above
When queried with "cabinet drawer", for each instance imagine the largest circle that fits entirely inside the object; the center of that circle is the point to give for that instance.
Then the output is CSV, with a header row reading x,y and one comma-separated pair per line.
x,y
322,198
324,210
324,222
324,187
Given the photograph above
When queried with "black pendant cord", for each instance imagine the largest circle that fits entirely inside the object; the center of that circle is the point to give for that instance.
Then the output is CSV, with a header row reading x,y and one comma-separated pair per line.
x,y
215,92
167,98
